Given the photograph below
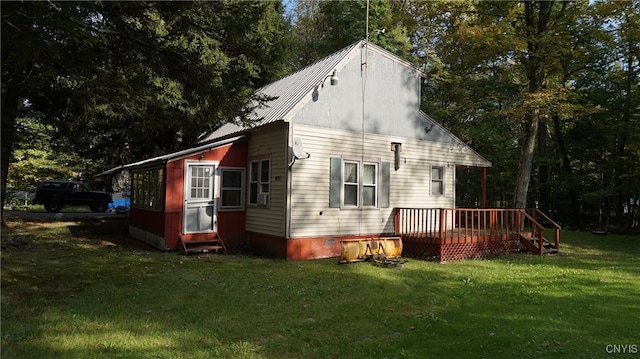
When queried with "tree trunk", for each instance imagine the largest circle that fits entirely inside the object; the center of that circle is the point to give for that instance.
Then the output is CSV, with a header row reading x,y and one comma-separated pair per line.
x,y
543,169
621,170
526,161
537,17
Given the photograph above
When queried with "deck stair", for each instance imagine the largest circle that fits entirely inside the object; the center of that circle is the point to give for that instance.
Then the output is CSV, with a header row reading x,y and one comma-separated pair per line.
x,y
211,243
531,243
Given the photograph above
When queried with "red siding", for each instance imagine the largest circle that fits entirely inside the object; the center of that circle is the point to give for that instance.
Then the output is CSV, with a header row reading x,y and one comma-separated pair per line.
x,y
150,221
313,248
231,229
268,245
168,223
174,185
296,249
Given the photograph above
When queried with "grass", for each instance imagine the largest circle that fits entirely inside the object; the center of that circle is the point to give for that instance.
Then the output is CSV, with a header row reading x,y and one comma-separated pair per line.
x,y
86,290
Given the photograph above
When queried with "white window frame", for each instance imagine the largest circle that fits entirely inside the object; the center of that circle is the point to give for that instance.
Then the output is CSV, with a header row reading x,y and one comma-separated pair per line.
x,y
374,185
262,184
440,180
360,183
223,189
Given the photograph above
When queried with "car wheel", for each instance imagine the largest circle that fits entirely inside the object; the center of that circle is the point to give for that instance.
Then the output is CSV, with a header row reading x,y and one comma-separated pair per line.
x,y
53,205
122,209
99,206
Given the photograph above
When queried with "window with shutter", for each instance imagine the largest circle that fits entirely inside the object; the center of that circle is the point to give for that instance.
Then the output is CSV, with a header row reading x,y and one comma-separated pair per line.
x,y
359,184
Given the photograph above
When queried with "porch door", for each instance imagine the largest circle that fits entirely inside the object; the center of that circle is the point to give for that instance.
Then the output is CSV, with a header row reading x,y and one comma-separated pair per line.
x,y
199,199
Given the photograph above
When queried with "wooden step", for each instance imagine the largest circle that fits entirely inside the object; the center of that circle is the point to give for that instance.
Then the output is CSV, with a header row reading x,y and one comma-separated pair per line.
x,y
202,245
531,244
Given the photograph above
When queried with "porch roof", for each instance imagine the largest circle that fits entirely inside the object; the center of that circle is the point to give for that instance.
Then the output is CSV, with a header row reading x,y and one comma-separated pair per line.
x,y
150,162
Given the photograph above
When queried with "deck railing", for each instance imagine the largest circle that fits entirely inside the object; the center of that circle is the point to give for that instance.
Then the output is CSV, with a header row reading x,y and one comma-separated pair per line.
x,y
459,224
536,213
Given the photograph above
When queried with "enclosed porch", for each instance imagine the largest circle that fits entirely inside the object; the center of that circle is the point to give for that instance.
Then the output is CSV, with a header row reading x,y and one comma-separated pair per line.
x,y
450,234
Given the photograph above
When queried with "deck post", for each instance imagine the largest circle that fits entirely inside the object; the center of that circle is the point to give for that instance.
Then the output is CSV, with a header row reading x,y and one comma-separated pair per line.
x,y
441,224
396,221
540,243
483,200
492,223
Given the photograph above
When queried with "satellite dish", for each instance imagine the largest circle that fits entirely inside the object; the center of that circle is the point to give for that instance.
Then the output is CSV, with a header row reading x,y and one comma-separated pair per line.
x,y
297,147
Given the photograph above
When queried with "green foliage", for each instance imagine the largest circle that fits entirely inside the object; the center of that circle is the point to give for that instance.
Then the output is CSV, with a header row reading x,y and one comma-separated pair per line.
x,y
119,81
82,289
577,71
323,27
38,157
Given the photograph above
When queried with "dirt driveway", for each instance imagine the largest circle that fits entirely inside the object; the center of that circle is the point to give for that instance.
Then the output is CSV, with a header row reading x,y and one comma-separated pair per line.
x,y
60,217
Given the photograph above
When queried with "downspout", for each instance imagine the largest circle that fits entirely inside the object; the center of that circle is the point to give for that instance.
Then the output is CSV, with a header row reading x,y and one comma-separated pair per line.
x,y
287,183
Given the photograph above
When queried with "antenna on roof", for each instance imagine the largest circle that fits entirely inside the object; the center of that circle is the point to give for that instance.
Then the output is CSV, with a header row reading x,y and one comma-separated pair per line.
x,y
366,40
366,26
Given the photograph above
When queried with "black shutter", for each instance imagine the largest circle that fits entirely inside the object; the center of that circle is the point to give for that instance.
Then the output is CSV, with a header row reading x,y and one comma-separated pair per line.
x,y
336,182
385,179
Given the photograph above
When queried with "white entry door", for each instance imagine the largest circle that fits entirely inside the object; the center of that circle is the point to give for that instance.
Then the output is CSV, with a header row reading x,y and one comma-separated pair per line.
x,y
199,198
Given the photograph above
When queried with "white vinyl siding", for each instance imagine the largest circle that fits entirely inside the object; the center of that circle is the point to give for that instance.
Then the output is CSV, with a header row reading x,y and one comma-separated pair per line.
x,y
268,147
409,186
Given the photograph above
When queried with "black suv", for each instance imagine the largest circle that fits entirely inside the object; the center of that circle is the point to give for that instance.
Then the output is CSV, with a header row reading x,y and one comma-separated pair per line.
x,y
56,194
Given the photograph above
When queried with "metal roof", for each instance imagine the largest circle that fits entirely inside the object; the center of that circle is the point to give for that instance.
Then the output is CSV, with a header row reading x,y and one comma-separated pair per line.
x,y
171,156
290,90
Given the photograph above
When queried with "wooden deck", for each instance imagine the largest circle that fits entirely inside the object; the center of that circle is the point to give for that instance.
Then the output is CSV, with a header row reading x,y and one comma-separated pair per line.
x,y
448,234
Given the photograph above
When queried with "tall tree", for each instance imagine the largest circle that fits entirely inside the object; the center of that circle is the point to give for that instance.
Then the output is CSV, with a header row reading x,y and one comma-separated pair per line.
x,y
324,26
543,27
143,77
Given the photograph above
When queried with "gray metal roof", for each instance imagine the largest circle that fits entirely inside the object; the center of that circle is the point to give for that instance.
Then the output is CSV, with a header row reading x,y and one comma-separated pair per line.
x,y
290,90
170,156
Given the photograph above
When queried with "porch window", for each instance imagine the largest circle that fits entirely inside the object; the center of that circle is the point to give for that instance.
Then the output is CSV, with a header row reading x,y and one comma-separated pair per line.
x,y
437,180
359,184
259,182
146,191
231,188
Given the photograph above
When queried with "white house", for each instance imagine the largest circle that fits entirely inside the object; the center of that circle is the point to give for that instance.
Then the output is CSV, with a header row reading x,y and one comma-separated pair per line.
x,y
342,144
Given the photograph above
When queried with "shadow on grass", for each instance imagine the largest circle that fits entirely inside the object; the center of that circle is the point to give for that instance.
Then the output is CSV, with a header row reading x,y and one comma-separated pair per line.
x,y
72,296
113,232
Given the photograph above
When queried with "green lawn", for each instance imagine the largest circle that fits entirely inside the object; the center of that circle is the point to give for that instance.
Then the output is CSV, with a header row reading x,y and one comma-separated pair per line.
x,y
85,290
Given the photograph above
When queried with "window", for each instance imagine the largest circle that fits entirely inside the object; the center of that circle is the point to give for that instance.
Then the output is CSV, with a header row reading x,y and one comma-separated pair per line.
x,y
437,180
350,181
78,187
231,188
147,189
354,184
369,184
259,182
201,182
